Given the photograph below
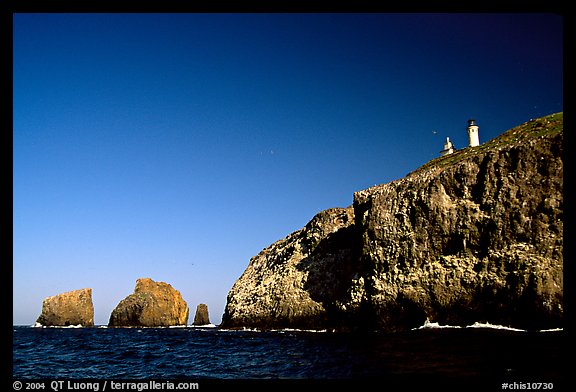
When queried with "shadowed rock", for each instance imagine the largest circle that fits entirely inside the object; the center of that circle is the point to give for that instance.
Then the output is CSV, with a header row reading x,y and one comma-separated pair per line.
x,y
201,316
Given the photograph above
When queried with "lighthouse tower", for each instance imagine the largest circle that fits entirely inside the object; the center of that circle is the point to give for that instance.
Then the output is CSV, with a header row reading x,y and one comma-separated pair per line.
x,y
473,139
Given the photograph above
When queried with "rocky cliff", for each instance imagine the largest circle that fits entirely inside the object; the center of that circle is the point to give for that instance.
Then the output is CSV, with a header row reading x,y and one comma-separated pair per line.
x,y
70,308
153,304
476,235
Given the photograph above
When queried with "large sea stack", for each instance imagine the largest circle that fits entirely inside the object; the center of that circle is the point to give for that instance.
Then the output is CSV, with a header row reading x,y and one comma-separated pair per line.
x,y
153,304
70,308
476,235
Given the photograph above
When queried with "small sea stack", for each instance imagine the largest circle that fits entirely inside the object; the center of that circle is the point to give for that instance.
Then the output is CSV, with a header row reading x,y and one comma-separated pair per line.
x,y
201,317
153,304
66,309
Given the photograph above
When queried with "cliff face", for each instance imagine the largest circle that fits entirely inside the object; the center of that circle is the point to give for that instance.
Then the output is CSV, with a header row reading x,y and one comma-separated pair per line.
x,y
473,236
70,308
294,281
479,238
153,304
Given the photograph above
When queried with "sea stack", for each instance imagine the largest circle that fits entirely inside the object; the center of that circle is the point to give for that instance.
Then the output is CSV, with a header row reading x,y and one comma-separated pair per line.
x,y
153,304
201,317
473,236
66,309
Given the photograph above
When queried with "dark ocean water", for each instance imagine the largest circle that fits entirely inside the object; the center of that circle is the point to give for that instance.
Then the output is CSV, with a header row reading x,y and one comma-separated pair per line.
x,y
201,354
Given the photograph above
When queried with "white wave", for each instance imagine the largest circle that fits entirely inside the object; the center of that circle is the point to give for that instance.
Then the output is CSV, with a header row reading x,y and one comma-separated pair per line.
x,y
299,330
144,327
243,329
283,330
38,325
430,325
434,325
552,330
493,326
102,326
203,326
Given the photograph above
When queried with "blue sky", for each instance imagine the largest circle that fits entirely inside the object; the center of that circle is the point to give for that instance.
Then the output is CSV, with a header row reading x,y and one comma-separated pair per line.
x,y
178,146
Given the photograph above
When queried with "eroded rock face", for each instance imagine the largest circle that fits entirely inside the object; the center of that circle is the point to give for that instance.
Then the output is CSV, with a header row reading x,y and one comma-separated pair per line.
x,y
477,240
473,236
201,317
153,304
297,280
70,308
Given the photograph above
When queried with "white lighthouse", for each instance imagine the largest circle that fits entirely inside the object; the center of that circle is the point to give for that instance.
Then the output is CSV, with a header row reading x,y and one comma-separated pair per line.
x,y
473,139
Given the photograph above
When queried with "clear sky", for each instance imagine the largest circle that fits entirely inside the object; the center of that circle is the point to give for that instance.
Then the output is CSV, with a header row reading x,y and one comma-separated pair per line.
x,y
178,146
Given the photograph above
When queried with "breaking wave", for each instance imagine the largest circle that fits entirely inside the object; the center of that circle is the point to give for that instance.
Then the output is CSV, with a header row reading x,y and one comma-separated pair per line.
x,y
434,325
38,325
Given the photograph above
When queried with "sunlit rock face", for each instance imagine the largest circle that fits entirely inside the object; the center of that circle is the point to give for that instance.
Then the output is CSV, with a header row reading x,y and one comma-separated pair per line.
x,y
153,304
476,235
297,281
66,309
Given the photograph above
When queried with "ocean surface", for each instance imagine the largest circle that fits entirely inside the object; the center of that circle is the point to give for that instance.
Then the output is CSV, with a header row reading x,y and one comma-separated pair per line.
x,y
478,352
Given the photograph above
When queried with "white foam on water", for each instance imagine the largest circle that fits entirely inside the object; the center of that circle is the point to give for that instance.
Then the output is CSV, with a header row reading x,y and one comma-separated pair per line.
x,y
283,330
433,325
143,327
552,330
243,329
298,330
430,325
38,325
493,326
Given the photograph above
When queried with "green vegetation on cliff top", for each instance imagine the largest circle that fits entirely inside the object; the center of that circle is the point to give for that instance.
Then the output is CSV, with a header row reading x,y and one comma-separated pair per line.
x,y
544,126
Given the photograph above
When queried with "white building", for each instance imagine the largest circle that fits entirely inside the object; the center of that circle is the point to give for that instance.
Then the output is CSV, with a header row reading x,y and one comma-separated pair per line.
x,y
448,148
473,139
